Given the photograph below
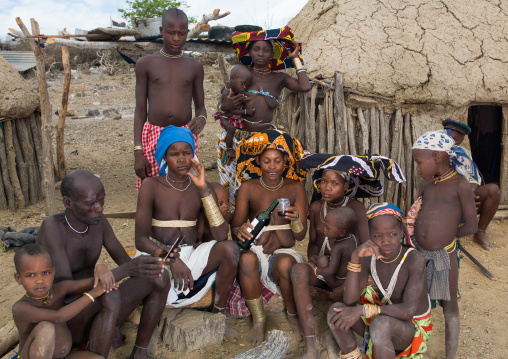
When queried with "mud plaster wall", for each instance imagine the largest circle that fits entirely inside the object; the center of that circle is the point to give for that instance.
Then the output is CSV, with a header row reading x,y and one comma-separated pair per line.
x,y
433,57
17,98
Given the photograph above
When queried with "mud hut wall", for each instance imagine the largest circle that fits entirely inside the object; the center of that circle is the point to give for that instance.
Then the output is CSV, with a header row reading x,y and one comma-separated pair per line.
x,y
20,162
327,125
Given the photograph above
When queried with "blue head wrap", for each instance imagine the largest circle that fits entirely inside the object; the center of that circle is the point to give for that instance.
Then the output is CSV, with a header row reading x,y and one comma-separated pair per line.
x,y
168,136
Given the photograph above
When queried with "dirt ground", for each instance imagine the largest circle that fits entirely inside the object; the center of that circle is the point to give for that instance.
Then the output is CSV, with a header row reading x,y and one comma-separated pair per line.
x,y
104,147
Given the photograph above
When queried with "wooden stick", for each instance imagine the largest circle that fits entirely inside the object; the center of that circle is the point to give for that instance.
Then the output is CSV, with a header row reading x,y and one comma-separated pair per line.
x,y
11,164
62,113
311,120
201,25
374,131
416,177
330,123
409,160
475,261
321,128
48,181
364,132
396,135
25,144
341,125
21,165
224,68
351,131
35,128
4,167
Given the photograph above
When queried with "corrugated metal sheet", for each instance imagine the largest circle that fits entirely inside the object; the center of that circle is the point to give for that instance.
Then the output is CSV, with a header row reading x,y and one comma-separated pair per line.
x,y
20,60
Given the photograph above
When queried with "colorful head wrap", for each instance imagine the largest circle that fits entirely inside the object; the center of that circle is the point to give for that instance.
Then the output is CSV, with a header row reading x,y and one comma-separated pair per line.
x,y
168,136
361,172
251,147
450,124
282,40
389,209
442,142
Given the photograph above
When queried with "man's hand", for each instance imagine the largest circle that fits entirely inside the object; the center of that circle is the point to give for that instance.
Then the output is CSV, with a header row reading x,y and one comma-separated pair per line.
x,y
141,165
106,279
346,317
182,276
146,267
229,103
162,252
197,124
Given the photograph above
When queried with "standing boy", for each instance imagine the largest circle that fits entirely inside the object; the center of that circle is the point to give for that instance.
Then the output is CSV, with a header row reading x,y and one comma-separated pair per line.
x,y
168,82
487,196
446,198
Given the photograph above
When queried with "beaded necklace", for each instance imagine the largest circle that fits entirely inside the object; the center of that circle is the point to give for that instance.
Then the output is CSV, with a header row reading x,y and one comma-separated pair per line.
x,y
45,299
262,71
171,56
447,175
71,227
179,190
271,188
398,255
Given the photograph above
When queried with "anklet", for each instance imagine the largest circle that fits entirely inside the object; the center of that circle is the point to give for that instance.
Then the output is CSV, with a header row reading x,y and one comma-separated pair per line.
x,y
137,346
219,309
290,313
310,336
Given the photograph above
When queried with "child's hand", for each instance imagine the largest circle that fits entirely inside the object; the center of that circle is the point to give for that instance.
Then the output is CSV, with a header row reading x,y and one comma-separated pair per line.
x,y
367,249
250,111
313,259
230,152
200,178
105,277
96,291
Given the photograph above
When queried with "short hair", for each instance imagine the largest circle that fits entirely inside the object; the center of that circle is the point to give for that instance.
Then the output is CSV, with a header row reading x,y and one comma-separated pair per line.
x,y
67,186
32,249
240,70
173,13
345,217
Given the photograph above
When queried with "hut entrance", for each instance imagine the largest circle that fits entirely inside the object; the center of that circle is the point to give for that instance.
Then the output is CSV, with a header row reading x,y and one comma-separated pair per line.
x,y
486,137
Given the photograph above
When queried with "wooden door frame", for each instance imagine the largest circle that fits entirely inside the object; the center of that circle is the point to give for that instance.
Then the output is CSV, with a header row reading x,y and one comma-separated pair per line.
x,y
503,180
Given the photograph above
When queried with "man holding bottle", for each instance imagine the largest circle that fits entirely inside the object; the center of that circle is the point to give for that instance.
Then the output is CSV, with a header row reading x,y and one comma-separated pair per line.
x,y
269,160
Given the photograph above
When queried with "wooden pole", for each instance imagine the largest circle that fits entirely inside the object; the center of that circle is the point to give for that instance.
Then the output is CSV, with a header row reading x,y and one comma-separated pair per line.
x,y
7,186
374,131
35,128
364,132
21,164
330,123
504,158
311,120
416,177
224,68
409,161
322,128
394,154
48,181
290,109
62,113
11,165
341,128
351,131
25,143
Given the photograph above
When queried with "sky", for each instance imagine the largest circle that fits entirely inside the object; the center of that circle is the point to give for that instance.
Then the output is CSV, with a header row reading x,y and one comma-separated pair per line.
x,y
54,15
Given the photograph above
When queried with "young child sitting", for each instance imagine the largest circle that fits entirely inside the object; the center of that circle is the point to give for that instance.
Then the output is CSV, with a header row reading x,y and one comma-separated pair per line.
x,y
328,272
40,315
395,318
446,198
240,78
204,233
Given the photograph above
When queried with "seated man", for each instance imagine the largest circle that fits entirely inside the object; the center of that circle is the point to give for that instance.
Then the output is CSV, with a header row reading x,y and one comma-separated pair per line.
x,y
487,196
269,160
75,239
171,206
395,322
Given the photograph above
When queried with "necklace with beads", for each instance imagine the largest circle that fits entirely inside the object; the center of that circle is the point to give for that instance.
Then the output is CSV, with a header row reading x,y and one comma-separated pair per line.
x,y
45,299
179,190
447,175
398,255
325,208
71,227
262,71
171,56
271,188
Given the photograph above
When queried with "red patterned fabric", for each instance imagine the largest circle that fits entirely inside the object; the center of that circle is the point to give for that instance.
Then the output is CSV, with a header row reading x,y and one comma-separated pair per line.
x,y
149,139
234,120
236,303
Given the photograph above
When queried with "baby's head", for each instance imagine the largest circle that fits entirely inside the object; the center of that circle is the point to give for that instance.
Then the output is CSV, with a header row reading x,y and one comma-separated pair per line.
x,y
340,222
34,270
240,78
222,197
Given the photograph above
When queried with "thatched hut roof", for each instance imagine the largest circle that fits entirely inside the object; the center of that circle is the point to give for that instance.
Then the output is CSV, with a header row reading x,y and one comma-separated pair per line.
x,y
429,53
17,98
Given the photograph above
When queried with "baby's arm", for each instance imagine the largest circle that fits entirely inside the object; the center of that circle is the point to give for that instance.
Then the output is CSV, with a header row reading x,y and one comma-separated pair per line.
x,y
28,313
331,269
312,249
243,111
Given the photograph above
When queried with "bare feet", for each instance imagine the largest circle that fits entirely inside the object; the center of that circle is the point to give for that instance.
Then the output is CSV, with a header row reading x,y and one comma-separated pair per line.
x,y
330,344
231,334
481,238
312,351
294,322
257,333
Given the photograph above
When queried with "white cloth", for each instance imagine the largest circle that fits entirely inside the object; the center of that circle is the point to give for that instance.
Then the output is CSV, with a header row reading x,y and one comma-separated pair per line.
x,y
196,259
264,262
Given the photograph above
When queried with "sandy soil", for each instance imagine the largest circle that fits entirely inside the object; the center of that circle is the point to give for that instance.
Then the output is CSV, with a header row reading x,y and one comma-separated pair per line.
x,y
104,147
